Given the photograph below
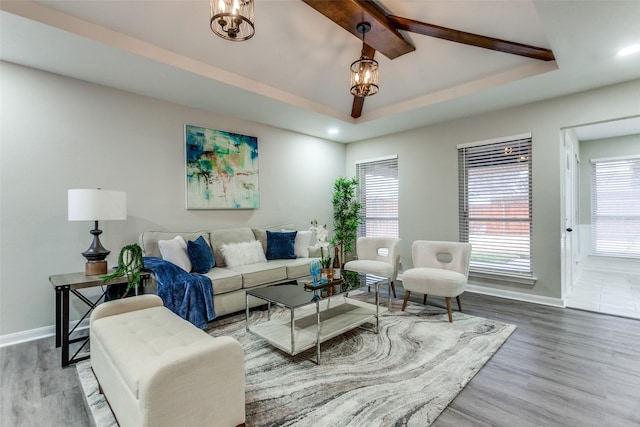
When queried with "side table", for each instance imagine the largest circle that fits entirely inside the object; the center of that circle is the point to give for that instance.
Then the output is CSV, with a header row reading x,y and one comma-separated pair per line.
x,y
73,282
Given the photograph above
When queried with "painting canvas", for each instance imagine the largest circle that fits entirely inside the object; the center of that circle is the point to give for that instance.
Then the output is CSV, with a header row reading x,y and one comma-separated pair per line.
x,y
221,169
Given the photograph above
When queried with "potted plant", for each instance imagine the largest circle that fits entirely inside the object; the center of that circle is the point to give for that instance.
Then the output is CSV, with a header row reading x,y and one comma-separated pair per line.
x,y
321,240
346,219
130,263
346,216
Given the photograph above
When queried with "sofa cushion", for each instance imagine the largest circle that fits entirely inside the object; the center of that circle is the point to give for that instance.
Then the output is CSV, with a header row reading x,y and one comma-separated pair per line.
x,y
226,236
148,334
281,245
175,251
261,233
262,273
295,268
224,280
243,253
301,245
149,240
200,255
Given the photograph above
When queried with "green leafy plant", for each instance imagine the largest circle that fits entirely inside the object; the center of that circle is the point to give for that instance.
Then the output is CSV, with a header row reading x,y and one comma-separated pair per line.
x,y
130,264
346,216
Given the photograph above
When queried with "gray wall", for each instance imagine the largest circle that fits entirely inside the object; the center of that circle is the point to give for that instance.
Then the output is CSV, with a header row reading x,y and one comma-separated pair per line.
x,y
601,148
427,162
59,133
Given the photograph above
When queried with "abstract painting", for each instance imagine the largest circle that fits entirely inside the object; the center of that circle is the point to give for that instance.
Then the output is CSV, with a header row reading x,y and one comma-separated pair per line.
x,y
221,169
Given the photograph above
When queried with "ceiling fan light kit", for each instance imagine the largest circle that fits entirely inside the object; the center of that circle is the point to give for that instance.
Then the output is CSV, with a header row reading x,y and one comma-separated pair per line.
x,y
364,71
232,19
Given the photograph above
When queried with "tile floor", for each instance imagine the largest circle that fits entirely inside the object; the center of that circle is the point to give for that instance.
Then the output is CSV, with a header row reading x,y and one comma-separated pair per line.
x,y
608,286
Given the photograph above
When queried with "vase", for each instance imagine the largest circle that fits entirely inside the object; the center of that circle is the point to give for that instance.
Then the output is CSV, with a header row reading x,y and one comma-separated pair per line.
x,y
329,273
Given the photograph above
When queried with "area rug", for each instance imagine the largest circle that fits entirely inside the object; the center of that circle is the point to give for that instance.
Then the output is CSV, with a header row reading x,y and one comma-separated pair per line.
x,y
405,375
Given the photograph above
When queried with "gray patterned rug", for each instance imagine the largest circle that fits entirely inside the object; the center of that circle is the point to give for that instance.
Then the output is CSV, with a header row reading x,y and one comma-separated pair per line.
x,y
406,375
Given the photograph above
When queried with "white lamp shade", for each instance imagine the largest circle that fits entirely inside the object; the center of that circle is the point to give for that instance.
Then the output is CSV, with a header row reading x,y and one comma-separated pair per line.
x,y
94,204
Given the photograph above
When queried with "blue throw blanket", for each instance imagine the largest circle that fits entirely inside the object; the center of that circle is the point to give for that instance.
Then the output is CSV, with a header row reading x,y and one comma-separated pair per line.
x,y
190,296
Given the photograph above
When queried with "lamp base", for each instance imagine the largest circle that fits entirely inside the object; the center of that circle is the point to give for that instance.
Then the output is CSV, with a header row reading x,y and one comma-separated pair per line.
x,y
94,268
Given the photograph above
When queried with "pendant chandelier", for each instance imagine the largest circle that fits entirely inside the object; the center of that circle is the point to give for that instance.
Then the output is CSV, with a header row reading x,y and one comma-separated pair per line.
x,y
364,71
232,19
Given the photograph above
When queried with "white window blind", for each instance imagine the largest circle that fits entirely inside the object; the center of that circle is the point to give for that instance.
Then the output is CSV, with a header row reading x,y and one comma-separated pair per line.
x,y
378,194
615,207
495,205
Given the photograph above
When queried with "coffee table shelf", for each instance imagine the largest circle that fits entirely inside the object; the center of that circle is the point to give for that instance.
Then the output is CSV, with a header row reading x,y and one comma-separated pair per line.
x,y
314,322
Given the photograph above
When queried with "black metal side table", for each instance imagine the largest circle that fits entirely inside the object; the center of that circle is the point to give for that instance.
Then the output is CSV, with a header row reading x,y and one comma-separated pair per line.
x,y
72,283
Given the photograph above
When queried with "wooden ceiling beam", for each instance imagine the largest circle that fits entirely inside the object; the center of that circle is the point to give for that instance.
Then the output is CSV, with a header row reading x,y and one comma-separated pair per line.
x,y
383,37
471,39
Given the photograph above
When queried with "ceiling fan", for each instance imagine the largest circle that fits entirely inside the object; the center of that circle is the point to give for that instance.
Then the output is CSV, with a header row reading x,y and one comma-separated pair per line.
x,y
385,38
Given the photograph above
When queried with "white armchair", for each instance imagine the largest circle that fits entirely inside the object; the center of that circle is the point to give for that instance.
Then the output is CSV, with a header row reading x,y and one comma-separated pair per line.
x,y
439,268
378,256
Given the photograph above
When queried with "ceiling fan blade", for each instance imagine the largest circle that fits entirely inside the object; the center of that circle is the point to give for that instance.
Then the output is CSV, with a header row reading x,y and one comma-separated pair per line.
x,y
383,37
471,39
358,101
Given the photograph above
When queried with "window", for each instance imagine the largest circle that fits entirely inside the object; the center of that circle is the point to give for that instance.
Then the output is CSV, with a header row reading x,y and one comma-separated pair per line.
x,y
615,207
495,204
378,194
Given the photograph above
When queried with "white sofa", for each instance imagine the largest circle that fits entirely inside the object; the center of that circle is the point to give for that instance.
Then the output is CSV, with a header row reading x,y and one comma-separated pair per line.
x,y
156,369
230,283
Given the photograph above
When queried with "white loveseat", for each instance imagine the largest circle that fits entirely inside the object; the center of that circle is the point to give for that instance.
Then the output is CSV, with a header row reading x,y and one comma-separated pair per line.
x,y
230,283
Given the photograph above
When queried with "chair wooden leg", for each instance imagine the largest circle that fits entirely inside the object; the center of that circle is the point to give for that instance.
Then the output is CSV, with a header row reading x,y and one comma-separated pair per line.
x,y
459,306
393,288
449,309
406,299
424,299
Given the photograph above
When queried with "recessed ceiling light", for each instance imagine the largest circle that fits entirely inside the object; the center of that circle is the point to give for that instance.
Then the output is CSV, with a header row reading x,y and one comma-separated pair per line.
x,y
629,50
333,131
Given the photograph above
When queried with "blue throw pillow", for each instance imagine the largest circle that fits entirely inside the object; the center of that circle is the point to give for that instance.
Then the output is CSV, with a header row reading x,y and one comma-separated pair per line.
x,y
280,245
200,254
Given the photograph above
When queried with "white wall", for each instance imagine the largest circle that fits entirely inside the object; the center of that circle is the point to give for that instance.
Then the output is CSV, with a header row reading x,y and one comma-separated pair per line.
x,y
59,133
427,161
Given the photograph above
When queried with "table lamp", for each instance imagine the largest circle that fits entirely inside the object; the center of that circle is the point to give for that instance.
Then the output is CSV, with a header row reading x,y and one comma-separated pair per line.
x,y
95,204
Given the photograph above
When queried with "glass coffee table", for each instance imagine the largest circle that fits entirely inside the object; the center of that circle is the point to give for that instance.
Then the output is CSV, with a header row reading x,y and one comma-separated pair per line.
x,y
315,314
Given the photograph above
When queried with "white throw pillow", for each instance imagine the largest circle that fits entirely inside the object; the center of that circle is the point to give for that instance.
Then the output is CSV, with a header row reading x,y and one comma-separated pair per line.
x,y
243,253
175,251
301,244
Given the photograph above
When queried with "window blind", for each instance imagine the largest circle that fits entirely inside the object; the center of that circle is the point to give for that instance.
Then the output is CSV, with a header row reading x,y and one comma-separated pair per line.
x,y
615,207
378,194
495,205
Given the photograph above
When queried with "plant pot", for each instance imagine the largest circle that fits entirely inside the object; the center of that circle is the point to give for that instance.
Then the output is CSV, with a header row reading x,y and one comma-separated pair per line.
x,y
329,273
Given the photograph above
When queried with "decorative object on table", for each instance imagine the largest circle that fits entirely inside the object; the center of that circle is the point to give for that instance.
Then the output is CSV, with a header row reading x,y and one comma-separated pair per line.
x,y
95,204
346,216
314,270
322,235
221,169
130,264
232,19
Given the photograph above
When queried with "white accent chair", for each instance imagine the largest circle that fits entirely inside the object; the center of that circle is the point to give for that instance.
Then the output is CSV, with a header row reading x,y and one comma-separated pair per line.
x,y
439,268
378,256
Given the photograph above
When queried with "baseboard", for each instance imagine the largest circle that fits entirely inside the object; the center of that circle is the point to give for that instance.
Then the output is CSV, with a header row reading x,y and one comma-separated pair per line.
x,y
518,296
35,334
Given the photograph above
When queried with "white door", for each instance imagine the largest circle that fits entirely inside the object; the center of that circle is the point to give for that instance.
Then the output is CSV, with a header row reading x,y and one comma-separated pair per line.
x,y
570,241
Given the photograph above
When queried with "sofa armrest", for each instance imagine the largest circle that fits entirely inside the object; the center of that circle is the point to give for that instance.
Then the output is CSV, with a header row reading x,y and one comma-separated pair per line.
x,y
207,378
125,305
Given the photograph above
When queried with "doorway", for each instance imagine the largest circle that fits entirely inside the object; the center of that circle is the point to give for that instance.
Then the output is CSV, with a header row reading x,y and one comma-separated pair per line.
x,y
608,285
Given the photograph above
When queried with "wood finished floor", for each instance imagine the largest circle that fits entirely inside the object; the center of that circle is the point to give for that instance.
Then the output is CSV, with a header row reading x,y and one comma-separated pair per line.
x,y
561,367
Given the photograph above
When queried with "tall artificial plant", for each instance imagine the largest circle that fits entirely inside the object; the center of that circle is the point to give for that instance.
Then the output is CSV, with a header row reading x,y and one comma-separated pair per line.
x,y
346,216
